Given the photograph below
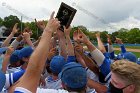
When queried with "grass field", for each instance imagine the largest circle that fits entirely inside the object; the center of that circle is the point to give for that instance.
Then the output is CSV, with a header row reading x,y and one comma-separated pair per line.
x,y
136,53
132,47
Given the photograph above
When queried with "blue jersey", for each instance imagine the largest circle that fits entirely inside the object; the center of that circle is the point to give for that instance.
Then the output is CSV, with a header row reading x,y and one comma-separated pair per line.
x,y
12,78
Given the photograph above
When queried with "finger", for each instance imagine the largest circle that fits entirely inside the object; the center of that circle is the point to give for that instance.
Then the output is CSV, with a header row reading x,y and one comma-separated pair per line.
x,y
74,35
64,29
52,15
35,20
16,24
43,21
80,33
76,32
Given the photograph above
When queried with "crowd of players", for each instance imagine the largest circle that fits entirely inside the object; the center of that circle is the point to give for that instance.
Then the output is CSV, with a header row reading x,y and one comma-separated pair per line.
x,y
55,64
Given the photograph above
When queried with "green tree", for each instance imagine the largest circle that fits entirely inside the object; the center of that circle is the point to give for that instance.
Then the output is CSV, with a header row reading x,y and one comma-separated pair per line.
x,y
123,34
104,37
1,21
114,35
134,35
92,36
82,28
10,21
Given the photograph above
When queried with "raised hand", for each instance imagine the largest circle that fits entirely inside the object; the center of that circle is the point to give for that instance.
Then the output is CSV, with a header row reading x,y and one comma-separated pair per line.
x,y
98,35
26,35
10,50
119,41
15,29
80,37
53,24
108,39
40,24
79,48
28,30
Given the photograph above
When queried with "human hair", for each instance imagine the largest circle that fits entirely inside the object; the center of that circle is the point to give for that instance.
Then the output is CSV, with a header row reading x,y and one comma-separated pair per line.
x,y
127,71
79,90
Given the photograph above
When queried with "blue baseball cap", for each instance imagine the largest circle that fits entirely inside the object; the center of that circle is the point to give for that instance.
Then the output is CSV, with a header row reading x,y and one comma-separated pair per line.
x,y
128,56
15,56
73,75
19,54
57,63
3,49
2,80
25,52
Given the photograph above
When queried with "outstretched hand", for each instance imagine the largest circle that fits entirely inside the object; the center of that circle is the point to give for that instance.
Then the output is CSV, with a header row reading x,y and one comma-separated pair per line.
x,y
98,35
80,37
79,48
15,29
119,41
26,35
53,24
108,39
40,24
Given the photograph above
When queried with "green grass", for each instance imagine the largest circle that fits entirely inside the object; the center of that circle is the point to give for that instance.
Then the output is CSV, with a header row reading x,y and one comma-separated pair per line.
x,y
132,47
136,53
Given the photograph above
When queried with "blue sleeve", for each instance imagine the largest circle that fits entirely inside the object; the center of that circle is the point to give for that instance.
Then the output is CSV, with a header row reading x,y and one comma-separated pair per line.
x,y
123,50
138,62
105,67
18,92
106,54
112,55
71,59
17,75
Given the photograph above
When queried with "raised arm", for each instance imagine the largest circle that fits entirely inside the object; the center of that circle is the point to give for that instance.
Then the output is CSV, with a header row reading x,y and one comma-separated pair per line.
x,y
26,36
37,42
6,58
88,61
119,41
62,43
70,48
40,24
16,42
97,86
38,58
8,39
79,36
97,55
110,47
100,43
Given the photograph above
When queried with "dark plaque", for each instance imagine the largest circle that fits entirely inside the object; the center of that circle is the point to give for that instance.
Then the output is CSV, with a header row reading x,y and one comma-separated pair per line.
x,y
65,15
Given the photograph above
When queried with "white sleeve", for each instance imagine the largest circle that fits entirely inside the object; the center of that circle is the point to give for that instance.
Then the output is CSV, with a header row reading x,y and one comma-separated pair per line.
x,y
110,48
92,75
15,43
9,80
22,90
98,57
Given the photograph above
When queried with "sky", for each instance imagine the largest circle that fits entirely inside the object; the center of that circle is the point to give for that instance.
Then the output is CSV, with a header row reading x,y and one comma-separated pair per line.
x,y
96,15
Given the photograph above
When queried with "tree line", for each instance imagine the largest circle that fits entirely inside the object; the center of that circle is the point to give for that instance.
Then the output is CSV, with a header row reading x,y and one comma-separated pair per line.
x,y
128,36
